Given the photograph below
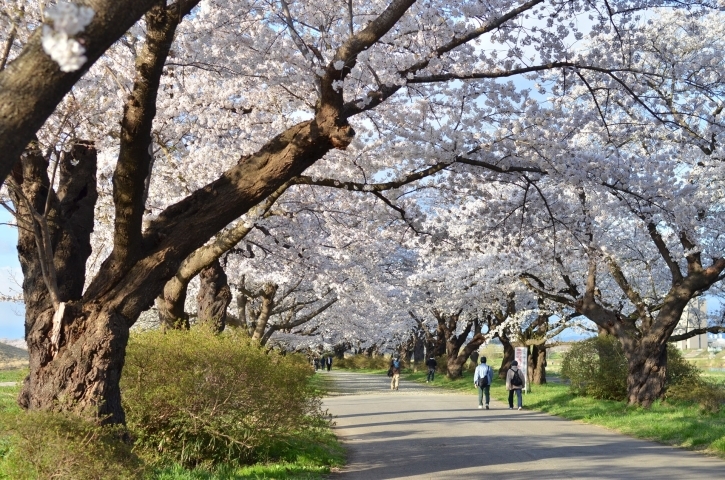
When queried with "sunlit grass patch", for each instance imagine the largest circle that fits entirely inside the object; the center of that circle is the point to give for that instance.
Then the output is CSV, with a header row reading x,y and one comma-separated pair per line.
x,y
307,460
13,375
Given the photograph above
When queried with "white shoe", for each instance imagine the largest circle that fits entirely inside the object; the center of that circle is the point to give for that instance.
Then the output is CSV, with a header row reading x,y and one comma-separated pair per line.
x,y
519,408
480,406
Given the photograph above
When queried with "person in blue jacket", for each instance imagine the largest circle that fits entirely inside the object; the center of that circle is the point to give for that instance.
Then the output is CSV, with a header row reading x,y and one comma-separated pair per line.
x,y
482,379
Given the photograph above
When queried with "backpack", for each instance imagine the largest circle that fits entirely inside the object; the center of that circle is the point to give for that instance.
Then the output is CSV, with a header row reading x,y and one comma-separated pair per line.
x,y
516,380
483,381
396,364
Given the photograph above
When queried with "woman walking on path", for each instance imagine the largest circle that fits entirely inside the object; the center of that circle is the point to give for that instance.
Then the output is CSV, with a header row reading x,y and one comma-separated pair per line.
x,y
514,383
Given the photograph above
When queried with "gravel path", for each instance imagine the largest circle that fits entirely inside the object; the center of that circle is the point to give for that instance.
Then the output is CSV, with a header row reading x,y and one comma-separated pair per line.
x,y
420,432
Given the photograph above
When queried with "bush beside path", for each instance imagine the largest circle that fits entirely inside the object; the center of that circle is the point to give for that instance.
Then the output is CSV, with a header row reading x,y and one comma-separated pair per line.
x,y
424,432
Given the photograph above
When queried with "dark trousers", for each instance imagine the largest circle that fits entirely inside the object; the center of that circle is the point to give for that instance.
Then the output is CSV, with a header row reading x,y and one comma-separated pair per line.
x,y
518,397
431,374
484,391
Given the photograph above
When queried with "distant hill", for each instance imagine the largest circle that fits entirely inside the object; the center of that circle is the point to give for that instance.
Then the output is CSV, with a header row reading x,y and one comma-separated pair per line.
x,y
18,342
12,356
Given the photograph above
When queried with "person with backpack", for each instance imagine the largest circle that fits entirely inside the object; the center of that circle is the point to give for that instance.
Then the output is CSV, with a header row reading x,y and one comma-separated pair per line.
x,y
515,383
395,367
431,364
482,379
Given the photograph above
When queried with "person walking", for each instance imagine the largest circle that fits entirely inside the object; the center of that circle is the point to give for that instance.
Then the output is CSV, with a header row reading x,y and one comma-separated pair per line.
x,y
395,366
328,361
317,363
515,383
482,379
431,364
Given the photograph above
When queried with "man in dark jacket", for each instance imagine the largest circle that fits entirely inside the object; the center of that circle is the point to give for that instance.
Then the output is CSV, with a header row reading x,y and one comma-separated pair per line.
x,y
395,367
431,364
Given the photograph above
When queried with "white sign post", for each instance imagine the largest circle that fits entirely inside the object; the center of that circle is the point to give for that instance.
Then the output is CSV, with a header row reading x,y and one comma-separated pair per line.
x,y
521,356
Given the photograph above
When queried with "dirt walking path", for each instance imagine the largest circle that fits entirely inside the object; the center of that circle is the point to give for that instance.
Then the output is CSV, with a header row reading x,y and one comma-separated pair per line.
x,y
420,432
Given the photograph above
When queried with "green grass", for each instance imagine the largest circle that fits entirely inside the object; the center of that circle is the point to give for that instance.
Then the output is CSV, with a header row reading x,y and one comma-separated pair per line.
x,y
13,375
680,425
308,458
719,376
9,395
462,385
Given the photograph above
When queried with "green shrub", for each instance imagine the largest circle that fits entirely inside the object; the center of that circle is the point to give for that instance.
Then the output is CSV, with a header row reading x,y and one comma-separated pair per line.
x,y
597,368
196,398
697,390
679,370
45,445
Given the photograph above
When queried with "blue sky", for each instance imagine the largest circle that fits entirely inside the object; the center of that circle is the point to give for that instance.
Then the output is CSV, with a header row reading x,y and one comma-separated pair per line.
x,y
11,314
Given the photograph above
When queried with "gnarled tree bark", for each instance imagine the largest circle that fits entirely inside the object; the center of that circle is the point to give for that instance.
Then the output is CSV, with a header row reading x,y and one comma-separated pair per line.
x,y
214,297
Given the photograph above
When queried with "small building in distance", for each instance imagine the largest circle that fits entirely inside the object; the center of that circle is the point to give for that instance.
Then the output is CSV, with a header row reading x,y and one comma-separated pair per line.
x,y
693,317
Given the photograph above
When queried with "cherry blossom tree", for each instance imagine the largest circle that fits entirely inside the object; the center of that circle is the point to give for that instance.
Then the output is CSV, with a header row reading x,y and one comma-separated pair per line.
x,y
219,110
47,61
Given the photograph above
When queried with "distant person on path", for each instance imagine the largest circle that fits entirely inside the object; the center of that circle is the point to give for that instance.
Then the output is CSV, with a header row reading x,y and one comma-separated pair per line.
x,y
395,365
482,379
328,361
317,363
431,364
515,383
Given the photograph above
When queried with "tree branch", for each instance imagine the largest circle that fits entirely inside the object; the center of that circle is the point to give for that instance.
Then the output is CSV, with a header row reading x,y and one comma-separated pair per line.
x,y
32,85
135,158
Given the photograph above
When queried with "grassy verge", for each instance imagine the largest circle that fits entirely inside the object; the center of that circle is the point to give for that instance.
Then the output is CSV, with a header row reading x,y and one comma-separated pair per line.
x,y
13,375
306,458
681,425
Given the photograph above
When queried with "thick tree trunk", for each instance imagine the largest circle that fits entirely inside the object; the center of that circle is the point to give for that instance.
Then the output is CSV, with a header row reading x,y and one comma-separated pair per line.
x,y
458,357
509,354
170,306
647,373
474,356
340,349
538,359
214,297
454,368
269,290
83,376
77,369
419,349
